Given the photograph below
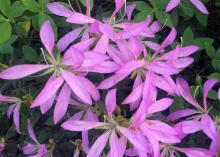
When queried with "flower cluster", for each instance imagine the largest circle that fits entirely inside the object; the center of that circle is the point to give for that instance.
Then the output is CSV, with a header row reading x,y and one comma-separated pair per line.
x,y
117,50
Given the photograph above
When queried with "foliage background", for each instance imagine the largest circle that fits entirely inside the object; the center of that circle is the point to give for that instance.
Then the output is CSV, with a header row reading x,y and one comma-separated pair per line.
x,y
20,21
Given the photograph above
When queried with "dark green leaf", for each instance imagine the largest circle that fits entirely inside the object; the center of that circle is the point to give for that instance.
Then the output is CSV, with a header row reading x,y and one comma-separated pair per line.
x,y
84,3
6,49
210,50
29,53
187,36
164,18
16,10
31,5
5,31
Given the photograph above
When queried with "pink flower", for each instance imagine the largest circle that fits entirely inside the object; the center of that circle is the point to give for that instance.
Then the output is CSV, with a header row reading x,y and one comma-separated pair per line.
x,y
14,108
197,3
35,149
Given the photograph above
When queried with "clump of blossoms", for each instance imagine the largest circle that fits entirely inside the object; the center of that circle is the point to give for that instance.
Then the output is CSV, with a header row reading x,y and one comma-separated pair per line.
x,y
121,49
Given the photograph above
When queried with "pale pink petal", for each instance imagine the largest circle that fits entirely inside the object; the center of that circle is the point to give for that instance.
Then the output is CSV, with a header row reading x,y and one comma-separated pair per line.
x,y
115,55
110,101
155,26
190,126
93,58
102,44
99,145
134,95
31,131
162,68
154,46
219,93
180,114
20,71
49,90
85,141
184,90
62,103
114,145
47,37
29,149
208,126
129,10
160,105
76,86
198,4
125,51
47,105
135,46
132,137
133,29
59,9
169,39
208,85
111,81
90,87
131,66
16,117
118,6
172,4
107,30
79,18
76,125
182,62
67,39
104,67
84,44
10,110
73,57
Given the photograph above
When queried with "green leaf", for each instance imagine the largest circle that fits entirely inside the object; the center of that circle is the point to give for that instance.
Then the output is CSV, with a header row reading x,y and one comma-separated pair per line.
x,y
2,19
31,5
201,42
216,64
164,18
5,31
84,3
16,10
29,53
141,5
141,16
188,36
6,49
4,6
213,95
215,76
210,50
202,18
187,8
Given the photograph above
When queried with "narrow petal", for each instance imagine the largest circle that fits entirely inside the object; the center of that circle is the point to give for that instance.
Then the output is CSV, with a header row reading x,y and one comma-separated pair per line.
x,y
73,57
180,114
190,126
116,149
76,86
110,101
49,90
208,126
162,68
111,81
172,4
59,9
118,6
134,95
66,40
169,39
182,62
16,118
10,110
94,58
79,18
184,90
129,10
99,145
104,67
198,4
160,105
76,125
195,152
62,103
207,87
47,37
20,71
102,45
129,67
47,105
135,46
84,44
31,132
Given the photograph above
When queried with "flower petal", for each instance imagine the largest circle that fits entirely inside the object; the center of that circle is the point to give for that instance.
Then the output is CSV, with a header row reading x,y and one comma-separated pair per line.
x,y
110,101
20,71
16,118
47,37
49,91
160,105
198,4
172,4
76,86
58,9
79,18
67,39
62,103
77,125
99,145
31,131
180,114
